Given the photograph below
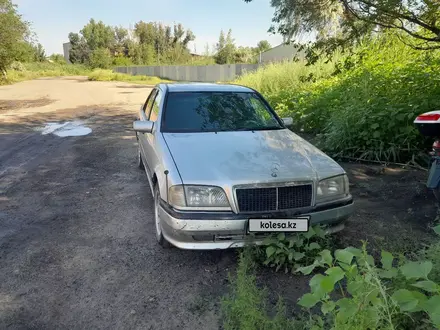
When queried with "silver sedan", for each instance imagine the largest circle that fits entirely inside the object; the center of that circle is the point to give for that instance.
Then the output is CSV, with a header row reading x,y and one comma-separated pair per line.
x,y
225,170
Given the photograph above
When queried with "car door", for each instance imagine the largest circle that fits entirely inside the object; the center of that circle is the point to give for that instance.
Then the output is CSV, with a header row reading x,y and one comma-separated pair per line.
x,y
150,151
144,114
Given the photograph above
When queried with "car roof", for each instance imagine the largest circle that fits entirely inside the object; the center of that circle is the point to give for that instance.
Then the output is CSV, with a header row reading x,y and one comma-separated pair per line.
x,y
205,87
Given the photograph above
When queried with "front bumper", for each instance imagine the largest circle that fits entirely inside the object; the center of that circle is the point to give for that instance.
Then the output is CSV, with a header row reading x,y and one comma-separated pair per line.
x,y
208,231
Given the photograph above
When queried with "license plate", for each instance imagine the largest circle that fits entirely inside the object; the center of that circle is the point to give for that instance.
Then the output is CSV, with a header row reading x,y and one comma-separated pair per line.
x,y
279,225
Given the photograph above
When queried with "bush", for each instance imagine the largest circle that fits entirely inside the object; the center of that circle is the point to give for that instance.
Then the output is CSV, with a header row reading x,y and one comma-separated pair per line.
x,y
100,58
17,66
367,107
122,61
109,75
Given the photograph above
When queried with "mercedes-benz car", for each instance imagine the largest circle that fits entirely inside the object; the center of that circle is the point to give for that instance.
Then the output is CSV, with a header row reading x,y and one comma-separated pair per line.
x,y
225,170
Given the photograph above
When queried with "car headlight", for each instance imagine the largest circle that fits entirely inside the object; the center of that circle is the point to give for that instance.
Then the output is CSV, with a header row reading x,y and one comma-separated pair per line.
x,y
332,189
198,198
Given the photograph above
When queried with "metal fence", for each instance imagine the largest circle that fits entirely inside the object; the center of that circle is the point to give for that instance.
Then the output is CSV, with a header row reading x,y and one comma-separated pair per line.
x,y
202,73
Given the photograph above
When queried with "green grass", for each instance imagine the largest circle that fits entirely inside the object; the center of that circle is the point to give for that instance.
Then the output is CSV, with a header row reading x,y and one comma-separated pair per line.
x,y
29,71
245,308
109,75
364,111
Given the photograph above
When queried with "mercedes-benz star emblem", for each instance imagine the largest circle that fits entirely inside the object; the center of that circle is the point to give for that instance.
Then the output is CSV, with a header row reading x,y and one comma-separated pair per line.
x,y
275,168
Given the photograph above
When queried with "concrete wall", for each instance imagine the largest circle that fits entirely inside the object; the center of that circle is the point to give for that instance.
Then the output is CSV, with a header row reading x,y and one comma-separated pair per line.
x,y
281,53
66,49
203,73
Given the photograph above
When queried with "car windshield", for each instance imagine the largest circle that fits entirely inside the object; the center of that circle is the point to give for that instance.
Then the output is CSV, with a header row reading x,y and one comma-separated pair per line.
x,y
217,111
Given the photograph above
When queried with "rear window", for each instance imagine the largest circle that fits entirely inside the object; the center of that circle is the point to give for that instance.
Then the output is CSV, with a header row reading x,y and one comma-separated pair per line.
x,y
216,111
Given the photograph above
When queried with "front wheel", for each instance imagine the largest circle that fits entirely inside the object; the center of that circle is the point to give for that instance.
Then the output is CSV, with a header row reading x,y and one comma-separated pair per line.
x,y
159,236
140,162
436,192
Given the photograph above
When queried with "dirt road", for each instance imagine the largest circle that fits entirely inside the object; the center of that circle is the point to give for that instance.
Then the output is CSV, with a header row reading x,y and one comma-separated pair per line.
x,y
77,245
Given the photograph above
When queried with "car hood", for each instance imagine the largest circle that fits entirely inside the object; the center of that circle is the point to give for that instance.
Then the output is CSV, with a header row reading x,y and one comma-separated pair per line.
x,y
247,157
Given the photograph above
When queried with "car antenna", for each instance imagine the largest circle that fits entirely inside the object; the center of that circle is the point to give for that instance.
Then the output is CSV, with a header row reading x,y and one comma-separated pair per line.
x,y
166,178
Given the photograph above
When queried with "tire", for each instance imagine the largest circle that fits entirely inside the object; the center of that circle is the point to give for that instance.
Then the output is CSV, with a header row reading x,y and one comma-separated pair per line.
x,y
139,160
436,192
157,225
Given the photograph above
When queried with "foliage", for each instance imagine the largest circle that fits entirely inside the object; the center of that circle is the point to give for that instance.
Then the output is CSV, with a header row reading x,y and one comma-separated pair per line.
x,y
57,58
362,105
100,58
263,45
39,53
288,252
27,71
244,308
225,48
369,298
344,21
109,75
13,32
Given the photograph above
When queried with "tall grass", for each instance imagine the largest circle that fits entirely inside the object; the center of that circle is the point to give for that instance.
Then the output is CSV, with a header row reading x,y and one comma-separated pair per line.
x,y
28,71
109,75
364,111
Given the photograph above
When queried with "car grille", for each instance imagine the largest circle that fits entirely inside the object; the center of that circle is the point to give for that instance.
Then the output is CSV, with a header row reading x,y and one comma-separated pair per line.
x,y
273,198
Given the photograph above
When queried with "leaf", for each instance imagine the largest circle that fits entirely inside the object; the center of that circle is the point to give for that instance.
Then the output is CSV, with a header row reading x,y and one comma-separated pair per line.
x,y
344,256
326,257
335,273
387,260
308,300
356,252
376,134
298,255
281,236
327,307
270,250
415,270
428,286
432,307
437,229
310,233
405,299
391,273
314,246
353,287
320,232
306,270
315,283
347,309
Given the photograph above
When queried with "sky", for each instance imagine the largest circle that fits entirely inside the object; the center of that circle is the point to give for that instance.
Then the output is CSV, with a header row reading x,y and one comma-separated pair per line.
x,y
52,20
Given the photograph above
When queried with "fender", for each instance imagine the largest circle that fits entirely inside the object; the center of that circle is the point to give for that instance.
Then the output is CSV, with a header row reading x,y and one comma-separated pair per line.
x,y
434,174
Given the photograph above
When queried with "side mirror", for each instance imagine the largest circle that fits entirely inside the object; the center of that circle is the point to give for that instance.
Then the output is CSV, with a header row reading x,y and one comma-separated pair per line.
x,y
142,126
288,121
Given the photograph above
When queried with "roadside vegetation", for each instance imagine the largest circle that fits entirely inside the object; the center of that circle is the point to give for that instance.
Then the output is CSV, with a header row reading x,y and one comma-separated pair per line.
x,y
361,105
350,288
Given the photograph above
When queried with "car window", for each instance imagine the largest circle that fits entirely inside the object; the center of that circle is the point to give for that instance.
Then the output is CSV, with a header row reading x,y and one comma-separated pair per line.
x,y
155,109
217,111
148,104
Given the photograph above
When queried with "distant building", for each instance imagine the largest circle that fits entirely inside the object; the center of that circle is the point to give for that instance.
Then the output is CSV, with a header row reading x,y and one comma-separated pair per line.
x,y
66,49
280,53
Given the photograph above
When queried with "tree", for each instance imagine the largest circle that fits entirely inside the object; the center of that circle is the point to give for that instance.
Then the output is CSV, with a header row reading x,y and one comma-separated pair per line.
x,y
225,48
98,35
263,45
13,32
100,58
39,53
121,40
343,21
80,51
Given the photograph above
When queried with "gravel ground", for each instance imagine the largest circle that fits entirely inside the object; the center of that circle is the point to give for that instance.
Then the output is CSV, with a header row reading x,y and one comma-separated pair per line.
x,y
77,244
